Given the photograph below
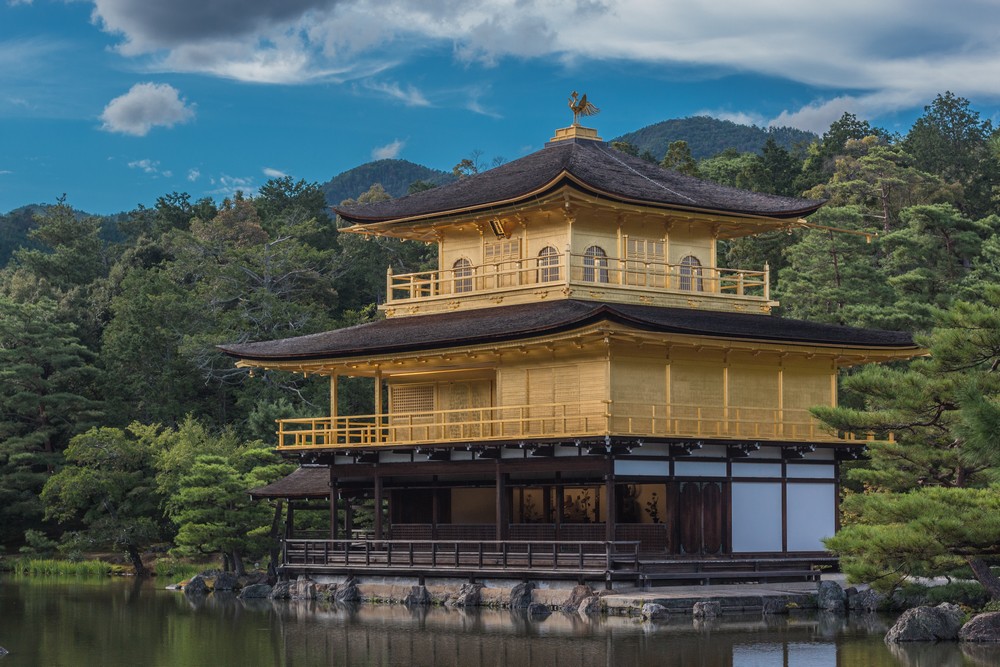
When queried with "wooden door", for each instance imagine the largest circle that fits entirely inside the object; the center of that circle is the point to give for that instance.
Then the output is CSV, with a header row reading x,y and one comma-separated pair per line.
x,y
701,518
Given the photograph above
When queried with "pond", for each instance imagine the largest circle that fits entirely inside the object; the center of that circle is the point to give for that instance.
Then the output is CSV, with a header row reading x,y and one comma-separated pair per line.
x,y
118,623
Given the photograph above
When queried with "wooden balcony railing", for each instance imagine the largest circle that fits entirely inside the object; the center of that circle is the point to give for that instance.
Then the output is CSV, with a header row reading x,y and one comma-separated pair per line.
x,y
479,556
556,270
552,420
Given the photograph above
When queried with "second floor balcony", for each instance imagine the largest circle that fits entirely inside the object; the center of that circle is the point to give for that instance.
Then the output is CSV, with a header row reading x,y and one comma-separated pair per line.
x,y
567,275
552,422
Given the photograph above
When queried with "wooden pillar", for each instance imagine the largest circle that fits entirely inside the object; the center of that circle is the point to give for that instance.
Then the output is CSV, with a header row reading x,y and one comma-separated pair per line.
x,y
290,520
503,513
334,497
547,505
275,542
333,397
378,402
611,511
559,504
435,508
378,506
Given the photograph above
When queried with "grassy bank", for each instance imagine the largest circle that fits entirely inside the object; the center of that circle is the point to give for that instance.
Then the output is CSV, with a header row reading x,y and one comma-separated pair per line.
x,y
166,568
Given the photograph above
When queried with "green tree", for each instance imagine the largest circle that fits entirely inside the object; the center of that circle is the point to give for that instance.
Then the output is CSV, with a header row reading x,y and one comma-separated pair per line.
x,y
881,179
47,389
833,276
929,256
109,486
820,160
951,140
360,271
678,158
212,510
930,500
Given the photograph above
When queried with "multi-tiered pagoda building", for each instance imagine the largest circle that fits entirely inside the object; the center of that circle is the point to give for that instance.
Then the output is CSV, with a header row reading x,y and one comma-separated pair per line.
x,y
579,389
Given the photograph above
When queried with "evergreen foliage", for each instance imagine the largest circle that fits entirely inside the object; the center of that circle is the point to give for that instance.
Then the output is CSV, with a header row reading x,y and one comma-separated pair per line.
x,y
115,401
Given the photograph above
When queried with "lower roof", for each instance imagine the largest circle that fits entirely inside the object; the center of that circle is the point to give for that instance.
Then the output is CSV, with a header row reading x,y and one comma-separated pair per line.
x,y
507,323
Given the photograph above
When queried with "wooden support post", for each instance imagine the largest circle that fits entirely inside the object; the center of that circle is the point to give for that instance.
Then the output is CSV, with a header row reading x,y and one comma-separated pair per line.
x,y
559,504
378,506
334,497
378,395
435,508
334,382
290,521
503,511
610,512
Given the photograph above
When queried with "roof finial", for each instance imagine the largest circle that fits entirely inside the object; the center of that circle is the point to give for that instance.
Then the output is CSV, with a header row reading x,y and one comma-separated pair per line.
x,y
581,107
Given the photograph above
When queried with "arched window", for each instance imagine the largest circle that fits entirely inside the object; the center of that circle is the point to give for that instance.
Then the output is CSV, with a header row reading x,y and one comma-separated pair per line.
x,y
690,275
595,265
462,272
548,265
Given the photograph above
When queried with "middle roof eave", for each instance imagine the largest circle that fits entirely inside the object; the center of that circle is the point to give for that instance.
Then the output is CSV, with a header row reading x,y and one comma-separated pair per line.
x,y
507,323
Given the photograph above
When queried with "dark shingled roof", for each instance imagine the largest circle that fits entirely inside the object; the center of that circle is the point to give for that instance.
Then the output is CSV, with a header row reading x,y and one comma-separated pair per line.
x,y
601,169
311,482
505,323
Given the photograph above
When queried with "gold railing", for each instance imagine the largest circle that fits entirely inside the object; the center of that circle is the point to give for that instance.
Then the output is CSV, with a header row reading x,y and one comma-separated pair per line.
x,y
552,420
582,270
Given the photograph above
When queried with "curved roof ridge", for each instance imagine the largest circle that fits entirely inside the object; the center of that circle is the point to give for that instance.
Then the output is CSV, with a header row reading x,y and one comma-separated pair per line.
x,y
594,166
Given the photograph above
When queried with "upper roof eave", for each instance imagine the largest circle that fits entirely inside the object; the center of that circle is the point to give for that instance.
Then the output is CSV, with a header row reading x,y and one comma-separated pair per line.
x,y
590,166
566,179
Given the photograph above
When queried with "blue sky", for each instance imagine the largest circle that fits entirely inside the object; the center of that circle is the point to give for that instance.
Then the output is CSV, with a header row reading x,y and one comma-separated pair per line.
x,y
115,102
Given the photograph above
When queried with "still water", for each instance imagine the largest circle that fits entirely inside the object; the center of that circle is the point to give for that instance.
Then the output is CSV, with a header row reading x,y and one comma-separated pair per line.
x,y
124,624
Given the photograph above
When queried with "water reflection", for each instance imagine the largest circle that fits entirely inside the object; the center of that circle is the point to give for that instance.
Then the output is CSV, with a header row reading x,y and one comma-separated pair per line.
x,y
118,624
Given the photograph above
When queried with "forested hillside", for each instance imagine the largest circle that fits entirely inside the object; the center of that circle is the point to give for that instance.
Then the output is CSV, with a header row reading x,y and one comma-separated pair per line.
x,y
121,424
708,136
395,176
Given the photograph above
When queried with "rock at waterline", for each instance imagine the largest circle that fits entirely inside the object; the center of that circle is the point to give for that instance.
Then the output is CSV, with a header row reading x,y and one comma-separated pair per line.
x,y
652,611
927,624
520,595
3,651
707,609
197,586
982,628
225,581
255,591
538,610
831,597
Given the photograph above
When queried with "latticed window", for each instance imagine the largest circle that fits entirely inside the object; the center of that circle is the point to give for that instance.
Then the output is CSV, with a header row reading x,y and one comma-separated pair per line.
x,y
503,258
500,252
644,262
408,398
595,265
690,274
462,272
548,265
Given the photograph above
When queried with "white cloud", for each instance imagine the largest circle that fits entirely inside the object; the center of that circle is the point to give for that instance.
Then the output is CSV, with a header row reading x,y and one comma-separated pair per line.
x,y
409,96
227,185
738,117
887,52
5,172
193,174
389,151
148,166
145,106
15,3
273,173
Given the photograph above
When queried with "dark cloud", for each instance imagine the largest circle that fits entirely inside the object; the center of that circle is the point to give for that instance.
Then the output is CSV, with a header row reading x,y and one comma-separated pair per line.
x,y
154,24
